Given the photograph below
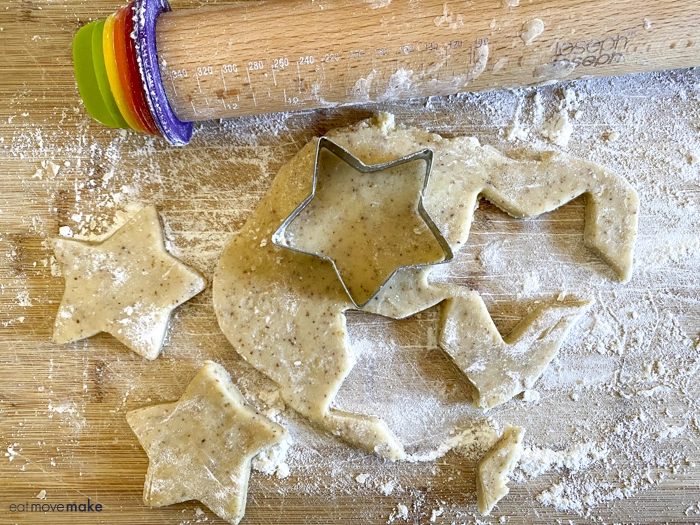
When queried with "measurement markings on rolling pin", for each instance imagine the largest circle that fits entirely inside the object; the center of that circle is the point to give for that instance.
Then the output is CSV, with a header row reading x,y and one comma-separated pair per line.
x,y
384,70
228,69
328,58
304,60
177,74
254,65
203,71
278,64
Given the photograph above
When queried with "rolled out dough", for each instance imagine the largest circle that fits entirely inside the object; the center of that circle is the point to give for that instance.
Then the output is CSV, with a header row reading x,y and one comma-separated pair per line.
x,y
283,311
367,223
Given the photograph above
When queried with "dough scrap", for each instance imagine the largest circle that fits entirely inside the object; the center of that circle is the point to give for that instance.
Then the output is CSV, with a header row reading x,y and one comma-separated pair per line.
x,y
126,285
495,467
201,446
284,311
502,368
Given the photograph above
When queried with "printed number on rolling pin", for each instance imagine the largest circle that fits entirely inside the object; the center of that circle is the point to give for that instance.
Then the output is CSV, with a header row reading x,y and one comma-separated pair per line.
x,y
280,63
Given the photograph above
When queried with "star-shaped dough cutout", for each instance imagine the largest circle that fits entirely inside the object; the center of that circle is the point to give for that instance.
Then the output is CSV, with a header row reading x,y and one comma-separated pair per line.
x,y
201,447
367,220
126,285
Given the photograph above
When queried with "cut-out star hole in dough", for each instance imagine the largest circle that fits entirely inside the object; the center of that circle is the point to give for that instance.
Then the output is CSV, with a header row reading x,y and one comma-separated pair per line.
x,y
201,446
367,220
126,285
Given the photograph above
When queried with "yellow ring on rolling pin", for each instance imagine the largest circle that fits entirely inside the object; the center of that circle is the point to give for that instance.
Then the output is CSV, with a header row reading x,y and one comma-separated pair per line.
x,y
113,74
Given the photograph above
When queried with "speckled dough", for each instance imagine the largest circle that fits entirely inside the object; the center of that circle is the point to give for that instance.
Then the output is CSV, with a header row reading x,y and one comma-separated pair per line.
x,y
501,368
367,223
126,286
201,447
495,467
283,311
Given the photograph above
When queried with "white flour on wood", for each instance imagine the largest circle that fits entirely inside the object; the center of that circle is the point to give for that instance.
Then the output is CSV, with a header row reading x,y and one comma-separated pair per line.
x,y
626,380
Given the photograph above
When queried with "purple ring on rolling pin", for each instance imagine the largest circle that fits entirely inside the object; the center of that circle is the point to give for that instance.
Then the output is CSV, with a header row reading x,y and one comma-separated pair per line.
x,y
175,131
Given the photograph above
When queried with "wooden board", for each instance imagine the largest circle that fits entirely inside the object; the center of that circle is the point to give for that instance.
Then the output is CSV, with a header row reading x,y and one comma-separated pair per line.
x,y
62,426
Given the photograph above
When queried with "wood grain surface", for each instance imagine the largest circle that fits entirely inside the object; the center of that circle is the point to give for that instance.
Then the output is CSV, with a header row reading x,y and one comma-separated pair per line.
x,y
62,425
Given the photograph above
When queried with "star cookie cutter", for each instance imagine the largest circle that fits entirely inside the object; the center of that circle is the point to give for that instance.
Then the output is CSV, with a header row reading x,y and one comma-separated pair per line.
x,y
279,238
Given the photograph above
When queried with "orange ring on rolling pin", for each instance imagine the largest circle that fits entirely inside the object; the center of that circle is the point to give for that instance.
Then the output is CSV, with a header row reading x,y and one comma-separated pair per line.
x,y
123,67
135,75
113,73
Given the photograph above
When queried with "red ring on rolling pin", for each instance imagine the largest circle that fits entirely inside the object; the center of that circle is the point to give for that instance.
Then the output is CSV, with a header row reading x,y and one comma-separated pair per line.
x,y
123,67
135,75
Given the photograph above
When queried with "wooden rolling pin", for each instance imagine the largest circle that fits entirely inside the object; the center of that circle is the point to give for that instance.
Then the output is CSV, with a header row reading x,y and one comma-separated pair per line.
x,y
263,56
266,56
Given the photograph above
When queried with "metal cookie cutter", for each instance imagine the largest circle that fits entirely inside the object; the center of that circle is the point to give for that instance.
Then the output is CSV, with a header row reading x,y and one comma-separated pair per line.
x,y
279,237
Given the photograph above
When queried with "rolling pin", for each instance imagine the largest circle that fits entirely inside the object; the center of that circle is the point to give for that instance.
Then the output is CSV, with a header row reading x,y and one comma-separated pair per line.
x,y
155,70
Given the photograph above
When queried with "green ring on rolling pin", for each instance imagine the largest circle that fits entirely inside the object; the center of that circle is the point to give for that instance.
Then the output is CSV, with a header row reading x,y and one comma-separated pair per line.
x,y
98,61
87,79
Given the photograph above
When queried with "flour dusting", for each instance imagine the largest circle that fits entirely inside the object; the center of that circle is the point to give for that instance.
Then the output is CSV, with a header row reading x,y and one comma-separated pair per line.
x,y
612,423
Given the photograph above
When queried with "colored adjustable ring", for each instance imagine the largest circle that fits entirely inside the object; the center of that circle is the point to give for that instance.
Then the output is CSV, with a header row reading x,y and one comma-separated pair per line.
x,y
137,88
123,67
86,78
113,73
101,75
118,74
173,129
